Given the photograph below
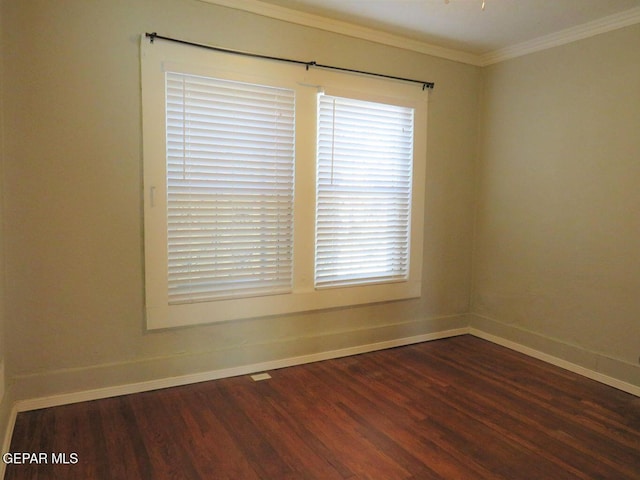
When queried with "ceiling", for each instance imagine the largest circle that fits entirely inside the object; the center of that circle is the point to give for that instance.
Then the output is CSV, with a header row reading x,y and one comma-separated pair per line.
x,y
456,29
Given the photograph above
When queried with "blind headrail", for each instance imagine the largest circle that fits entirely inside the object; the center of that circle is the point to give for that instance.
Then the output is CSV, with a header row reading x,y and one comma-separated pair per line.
x,y
425,85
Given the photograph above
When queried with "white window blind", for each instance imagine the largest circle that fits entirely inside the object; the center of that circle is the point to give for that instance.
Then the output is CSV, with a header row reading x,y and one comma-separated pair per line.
x,y
230,173
364,177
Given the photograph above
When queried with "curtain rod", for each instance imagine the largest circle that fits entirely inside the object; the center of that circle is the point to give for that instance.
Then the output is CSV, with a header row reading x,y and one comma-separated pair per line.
x,y
154,35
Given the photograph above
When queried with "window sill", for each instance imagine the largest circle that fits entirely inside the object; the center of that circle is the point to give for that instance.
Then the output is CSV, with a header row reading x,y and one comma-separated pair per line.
x,y
170,316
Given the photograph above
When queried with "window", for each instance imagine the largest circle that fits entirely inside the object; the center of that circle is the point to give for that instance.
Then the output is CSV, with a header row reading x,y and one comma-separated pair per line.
x,y
363,191
270,189
230,159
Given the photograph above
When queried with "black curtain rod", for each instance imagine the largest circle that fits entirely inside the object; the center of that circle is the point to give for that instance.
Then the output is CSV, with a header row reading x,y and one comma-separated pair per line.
x,y
425,85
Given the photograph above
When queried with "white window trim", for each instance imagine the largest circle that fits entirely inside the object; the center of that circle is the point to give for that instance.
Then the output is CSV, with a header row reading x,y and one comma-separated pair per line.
x,y
159,57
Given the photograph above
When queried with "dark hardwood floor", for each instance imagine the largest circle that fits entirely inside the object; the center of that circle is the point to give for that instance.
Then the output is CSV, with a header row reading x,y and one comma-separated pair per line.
x,y
459,408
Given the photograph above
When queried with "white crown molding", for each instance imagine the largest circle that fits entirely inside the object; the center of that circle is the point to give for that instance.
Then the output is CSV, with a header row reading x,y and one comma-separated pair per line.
x,y
562,37
605,24
345,28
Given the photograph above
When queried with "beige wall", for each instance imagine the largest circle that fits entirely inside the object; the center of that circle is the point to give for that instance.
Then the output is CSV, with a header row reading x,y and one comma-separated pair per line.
x,y
556,257
73,197
557,253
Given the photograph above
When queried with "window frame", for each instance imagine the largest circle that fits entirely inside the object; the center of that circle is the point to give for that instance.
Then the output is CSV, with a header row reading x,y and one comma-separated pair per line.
x,y
159,57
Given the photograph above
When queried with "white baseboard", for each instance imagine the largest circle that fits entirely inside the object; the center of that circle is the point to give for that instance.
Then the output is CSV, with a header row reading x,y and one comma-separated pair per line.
x,y
6,442
74,397
95,394
572,367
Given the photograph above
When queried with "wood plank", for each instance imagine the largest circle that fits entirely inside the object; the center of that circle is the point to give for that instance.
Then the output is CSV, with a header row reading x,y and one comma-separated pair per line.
x,y
460,408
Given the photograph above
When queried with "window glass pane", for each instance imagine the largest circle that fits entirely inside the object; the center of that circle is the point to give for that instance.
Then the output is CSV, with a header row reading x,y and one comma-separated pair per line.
x,y
230,158
364,173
